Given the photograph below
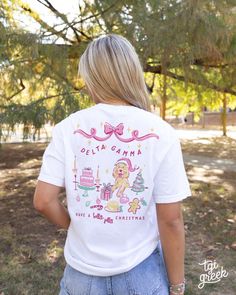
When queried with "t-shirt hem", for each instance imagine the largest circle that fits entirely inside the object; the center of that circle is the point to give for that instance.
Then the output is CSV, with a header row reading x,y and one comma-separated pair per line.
x,y
51,180
173,198
103,272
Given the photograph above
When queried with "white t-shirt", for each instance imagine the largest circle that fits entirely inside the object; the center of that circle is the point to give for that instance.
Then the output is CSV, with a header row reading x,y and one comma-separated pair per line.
x,y
115,162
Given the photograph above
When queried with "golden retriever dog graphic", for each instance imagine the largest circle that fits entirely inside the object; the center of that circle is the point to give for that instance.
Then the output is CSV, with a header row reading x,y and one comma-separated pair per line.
x,y
121,172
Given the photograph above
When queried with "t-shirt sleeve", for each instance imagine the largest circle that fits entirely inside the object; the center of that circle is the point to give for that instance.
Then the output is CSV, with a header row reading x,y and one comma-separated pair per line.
x,y
53,166
171,182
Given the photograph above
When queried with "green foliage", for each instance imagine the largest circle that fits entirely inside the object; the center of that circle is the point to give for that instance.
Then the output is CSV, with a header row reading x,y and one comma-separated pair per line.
x,y
192,42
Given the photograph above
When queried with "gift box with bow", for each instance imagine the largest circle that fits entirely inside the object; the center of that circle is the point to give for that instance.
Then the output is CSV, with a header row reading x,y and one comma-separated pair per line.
x,y
106,191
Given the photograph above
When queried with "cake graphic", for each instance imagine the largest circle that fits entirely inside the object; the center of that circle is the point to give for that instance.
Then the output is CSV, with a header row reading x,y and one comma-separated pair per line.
x,y
87,179
113,206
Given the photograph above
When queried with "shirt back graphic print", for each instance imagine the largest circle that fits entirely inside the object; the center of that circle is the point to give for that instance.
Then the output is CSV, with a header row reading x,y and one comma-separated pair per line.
x,y
115,162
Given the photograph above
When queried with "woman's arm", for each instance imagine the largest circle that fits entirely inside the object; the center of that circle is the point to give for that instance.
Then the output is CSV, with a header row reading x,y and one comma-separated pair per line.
x,y
171,228
46,201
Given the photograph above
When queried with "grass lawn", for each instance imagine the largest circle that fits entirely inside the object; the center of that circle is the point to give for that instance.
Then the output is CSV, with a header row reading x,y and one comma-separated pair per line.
x,y
31,249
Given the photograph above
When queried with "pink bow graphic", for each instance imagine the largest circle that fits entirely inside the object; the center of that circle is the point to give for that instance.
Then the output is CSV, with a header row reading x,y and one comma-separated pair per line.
x,y
109,129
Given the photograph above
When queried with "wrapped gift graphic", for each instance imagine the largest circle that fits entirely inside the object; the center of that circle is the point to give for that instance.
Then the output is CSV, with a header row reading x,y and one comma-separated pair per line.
x,y
106,191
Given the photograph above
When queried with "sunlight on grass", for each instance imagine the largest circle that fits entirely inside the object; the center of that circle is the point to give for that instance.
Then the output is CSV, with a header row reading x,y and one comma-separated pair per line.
x,y
202,141
53,252
199,173
217,147
29,163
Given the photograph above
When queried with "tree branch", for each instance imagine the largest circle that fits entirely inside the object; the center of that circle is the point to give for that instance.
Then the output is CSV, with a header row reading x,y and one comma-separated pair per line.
x,y
37,18
207,84
39,100
17,92
62,16
63,78
97,14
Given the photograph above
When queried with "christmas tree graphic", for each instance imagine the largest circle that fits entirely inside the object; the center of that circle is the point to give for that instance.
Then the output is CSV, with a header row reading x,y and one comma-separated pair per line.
x,y
138,184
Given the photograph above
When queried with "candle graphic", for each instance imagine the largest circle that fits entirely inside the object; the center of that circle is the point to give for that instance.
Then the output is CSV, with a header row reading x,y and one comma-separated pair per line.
x,y
74,170
97,180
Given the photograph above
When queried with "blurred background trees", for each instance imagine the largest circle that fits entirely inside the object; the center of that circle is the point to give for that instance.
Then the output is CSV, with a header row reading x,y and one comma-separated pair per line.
x,y
187,49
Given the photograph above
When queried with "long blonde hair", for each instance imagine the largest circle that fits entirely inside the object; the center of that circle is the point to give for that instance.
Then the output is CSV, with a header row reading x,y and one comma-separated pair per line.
x,y
112,72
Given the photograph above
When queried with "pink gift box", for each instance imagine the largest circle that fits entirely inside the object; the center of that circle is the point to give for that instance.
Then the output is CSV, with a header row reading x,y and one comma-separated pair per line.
x,y
106,192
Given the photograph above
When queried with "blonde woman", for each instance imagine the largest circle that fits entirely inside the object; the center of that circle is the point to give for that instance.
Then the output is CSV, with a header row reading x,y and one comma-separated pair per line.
x,y
124,176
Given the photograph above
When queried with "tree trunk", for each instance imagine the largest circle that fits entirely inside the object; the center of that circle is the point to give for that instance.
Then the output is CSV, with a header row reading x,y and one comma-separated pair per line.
x,y
224,115
192,118
203,117
164,98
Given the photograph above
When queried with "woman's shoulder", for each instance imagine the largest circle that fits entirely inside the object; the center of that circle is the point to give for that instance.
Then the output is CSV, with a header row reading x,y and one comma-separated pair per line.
x,y
155,120
143,120
72,117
